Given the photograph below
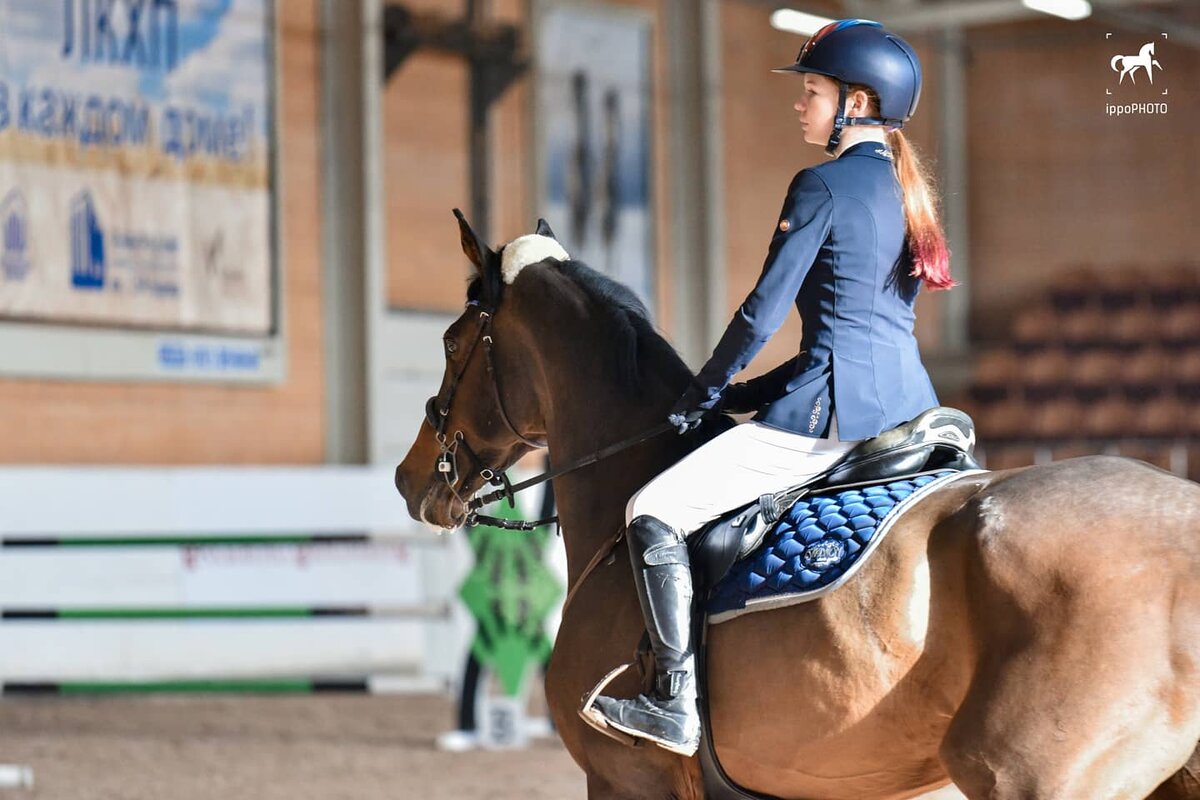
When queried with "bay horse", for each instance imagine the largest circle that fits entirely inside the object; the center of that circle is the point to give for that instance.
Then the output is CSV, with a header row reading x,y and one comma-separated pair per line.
x,y
1028,633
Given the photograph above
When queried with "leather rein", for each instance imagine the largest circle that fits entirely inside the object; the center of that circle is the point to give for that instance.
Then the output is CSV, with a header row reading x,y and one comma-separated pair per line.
x,y
436,414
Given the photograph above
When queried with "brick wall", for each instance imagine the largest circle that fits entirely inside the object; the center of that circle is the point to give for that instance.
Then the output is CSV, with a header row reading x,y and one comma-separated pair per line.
x,y
58,422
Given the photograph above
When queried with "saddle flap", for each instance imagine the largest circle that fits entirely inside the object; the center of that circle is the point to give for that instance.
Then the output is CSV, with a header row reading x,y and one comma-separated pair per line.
x,y
717,546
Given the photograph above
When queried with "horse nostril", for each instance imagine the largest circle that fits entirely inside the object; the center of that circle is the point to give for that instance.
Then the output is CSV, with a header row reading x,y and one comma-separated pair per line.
x,y
400,481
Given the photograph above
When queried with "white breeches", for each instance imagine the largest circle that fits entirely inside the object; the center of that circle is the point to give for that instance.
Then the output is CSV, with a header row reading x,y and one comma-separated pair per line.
x,y
744,462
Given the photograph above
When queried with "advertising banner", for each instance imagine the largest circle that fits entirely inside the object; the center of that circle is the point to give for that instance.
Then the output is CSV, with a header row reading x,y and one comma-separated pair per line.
x,y
135,164
594,117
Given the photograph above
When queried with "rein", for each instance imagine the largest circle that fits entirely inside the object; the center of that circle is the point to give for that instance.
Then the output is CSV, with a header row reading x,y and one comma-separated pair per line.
x,y
447,460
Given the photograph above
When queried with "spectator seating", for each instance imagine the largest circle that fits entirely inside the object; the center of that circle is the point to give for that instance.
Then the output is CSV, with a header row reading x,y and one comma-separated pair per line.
x,y
1106,361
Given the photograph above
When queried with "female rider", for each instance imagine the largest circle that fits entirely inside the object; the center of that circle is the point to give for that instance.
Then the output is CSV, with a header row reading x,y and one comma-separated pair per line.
x,y
854,241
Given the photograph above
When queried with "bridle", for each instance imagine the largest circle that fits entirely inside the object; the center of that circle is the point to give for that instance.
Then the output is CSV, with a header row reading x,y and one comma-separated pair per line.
x,y
436,414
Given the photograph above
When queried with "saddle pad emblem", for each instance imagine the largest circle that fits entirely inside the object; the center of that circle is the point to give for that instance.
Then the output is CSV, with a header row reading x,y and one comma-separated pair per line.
x,y
817,545
823,555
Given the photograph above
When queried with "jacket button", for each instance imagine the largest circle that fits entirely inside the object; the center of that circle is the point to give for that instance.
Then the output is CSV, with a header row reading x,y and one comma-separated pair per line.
x,y
784,225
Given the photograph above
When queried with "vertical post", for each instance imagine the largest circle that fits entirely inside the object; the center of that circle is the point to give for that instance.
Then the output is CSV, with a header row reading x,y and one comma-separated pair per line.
x,y
344,229
712,89
374,251
697,217
956,184
480,133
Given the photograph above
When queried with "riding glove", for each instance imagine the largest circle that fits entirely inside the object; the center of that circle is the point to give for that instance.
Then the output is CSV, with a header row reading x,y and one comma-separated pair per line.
x,y
740,398
690,409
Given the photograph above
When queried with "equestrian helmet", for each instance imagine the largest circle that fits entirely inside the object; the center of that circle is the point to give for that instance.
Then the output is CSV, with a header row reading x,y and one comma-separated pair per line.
x,y
861,51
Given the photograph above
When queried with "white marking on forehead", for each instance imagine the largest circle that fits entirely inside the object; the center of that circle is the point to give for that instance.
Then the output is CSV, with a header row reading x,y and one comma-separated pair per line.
x,y
526,250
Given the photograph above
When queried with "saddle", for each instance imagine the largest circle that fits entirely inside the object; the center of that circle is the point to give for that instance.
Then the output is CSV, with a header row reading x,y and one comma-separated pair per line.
x,y
940,439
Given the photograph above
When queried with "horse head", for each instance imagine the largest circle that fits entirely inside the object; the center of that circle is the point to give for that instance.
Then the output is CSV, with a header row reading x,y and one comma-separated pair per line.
x,y
474,427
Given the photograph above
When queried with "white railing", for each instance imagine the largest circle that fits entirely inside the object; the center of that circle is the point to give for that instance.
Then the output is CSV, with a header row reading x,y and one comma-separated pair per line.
x,y
138,576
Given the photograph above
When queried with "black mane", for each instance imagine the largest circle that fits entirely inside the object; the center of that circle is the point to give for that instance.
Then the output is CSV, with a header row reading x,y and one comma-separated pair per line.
x,y
630,335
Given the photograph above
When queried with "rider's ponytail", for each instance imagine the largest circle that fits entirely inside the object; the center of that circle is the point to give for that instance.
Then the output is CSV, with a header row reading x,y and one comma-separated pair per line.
x,y
925,241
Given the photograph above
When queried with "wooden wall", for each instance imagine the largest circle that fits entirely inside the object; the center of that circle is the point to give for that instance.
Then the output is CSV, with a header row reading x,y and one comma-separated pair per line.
x,y
1055,181
58,422
425,130
426,174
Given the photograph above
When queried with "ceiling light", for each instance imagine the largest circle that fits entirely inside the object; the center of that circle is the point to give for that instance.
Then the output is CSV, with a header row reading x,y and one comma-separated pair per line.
x,y
792,21
1067,9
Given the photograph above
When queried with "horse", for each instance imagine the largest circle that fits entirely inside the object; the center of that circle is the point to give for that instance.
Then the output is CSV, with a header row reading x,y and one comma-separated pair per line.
x,y
1027,633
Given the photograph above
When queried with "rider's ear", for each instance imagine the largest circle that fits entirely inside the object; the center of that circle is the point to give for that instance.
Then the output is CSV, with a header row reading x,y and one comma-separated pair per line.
x,y
474,248
543,229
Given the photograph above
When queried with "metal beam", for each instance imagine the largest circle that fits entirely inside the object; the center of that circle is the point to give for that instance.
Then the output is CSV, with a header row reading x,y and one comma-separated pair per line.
x,y
1150,22
984,12
907,16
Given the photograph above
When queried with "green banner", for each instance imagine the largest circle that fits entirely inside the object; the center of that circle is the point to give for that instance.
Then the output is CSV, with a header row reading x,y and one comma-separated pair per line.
x,y
510,592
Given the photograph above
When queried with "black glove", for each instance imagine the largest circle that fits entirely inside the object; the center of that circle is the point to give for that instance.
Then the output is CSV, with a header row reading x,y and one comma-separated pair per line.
x,y
741,398
690,408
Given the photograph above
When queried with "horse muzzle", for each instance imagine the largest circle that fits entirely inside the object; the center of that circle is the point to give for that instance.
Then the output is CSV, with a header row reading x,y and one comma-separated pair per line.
x,y
431,503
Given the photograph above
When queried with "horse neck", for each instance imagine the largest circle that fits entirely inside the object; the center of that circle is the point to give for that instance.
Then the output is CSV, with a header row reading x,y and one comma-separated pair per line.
x,y
586,409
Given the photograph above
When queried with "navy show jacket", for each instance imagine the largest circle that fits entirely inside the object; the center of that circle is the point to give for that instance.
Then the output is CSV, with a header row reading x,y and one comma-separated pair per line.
x,y
838,253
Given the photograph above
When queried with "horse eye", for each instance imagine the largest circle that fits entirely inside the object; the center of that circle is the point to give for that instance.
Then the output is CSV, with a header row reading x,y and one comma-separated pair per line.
x,y
451,346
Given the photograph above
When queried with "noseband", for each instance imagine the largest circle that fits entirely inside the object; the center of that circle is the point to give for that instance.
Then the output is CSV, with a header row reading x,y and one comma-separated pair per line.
x,y
436,414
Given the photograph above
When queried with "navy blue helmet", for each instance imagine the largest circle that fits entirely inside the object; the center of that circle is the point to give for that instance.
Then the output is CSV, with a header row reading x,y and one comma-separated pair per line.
x,y
861,51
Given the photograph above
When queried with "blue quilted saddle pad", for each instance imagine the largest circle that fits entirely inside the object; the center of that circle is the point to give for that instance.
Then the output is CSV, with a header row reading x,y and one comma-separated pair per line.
x,y
816,545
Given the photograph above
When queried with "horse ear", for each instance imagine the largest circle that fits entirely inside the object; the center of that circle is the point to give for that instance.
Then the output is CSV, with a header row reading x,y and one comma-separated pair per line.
x,y
473,247
543,229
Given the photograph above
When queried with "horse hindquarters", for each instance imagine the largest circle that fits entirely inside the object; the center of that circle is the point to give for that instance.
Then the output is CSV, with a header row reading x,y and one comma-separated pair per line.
x,y
1087,627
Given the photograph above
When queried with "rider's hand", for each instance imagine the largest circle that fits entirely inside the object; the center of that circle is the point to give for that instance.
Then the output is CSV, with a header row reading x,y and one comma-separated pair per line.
x,y
685,421
690,409
740,398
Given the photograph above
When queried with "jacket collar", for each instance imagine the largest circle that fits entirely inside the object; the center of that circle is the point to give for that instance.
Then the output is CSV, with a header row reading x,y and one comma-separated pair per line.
x,y
876,150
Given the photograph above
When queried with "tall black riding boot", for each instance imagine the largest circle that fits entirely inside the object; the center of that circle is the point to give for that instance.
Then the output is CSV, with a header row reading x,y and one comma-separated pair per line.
x,y
662,572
